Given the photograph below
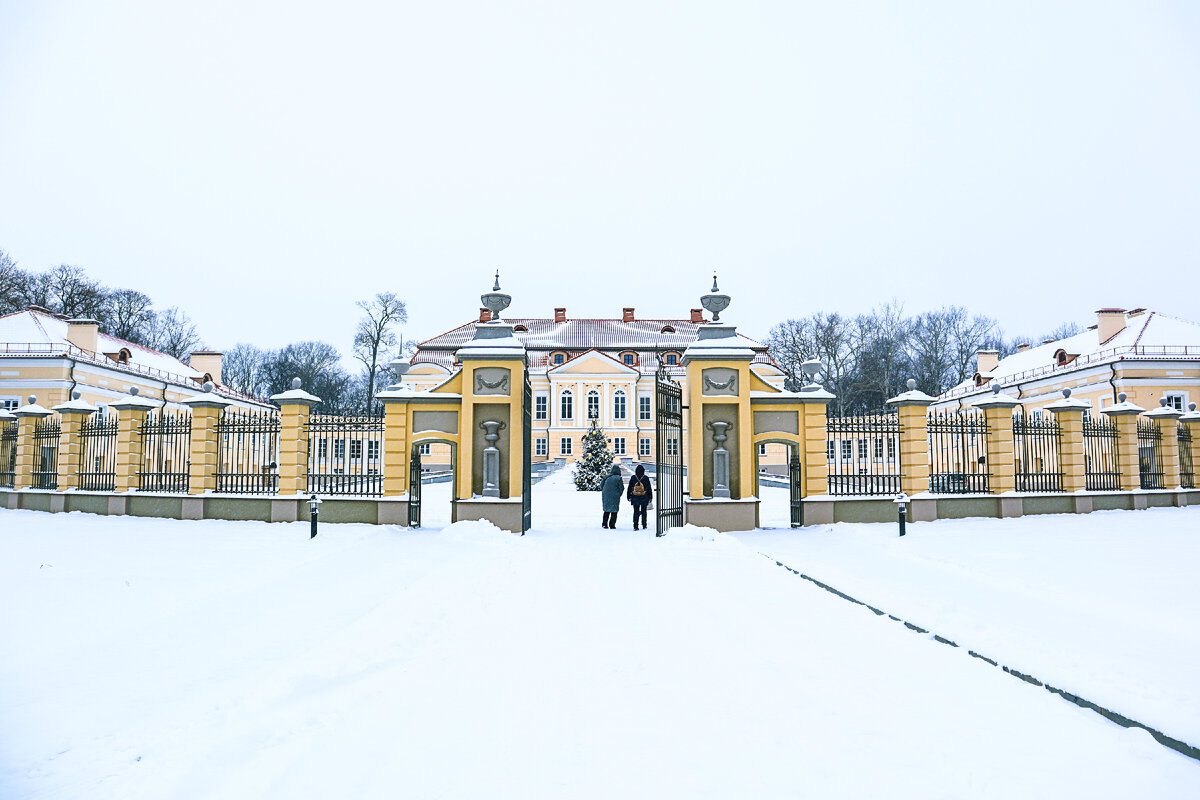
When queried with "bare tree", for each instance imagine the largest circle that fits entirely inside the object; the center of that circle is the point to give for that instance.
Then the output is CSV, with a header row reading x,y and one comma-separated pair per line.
x,y
969,334
318,366
68,290
128,315
13,285
174,333
243,368
375,337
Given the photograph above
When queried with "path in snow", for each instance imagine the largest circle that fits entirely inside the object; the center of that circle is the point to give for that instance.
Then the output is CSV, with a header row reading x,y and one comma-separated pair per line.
x,y
207,659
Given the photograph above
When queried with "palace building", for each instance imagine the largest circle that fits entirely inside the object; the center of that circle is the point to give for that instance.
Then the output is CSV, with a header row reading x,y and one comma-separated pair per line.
x,y
583,370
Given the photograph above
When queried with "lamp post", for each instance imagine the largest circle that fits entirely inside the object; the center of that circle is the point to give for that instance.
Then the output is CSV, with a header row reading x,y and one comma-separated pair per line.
x,y
902,502
313,502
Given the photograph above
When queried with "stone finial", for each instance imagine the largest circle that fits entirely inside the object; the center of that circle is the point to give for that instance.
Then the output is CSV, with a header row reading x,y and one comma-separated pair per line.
x,y
33,399
1121,397
715,302
1162,401
1191,406
207,387
133,391
1067,393
911,383
295,383
496,300
996,388
75,395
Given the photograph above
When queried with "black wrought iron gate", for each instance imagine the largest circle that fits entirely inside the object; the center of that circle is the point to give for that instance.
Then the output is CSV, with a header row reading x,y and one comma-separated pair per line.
x,y
668,426
526,453
414,488
796,493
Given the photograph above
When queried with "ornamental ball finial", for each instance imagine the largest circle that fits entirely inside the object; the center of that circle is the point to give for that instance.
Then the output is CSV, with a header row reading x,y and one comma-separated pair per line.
x,y
75,395
1162,401
996,388
207,387
911,383
32,399
1121,397
1191,406
1066,392
295,383
133,391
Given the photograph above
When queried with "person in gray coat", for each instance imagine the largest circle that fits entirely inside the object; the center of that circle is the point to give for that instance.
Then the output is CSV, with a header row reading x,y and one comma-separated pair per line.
x,y
611,491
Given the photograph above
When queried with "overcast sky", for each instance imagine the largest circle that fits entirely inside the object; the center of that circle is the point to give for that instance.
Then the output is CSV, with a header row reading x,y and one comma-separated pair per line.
x,y
264,165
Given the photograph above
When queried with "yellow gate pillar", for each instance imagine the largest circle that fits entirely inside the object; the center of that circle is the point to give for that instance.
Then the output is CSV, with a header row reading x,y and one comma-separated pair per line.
x,y
70,448
1002,468
1072,463
28,457
131,411
295,409
206,412
1191,421
1168,424
912,412
1124,414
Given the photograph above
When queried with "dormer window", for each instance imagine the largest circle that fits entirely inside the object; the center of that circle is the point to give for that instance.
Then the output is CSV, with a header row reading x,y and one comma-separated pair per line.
x,y
671,359
124,356
558,358
667,329
520,329
1060,357
628,359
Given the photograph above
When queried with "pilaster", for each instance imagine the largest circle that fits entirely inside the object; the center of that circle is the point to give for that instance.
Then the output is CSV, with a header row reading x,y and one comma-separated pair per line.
x,y
1002,466
1168,425
1069,414
912,412
70,446
1124,415
1191,421
131,414
295,410
205,447
28,416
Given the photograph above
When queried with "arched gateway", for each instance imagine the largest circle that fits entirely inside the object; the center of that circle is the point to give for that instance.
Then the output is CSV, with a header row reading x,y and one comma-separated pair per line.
x,y
690,399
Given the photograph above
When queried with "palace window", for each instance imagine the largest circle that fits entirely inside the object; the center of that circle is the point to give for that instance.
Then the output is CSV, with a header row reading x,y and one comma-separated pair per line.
x,y
541,447
847,449
628,359
671,359
541,407
373,450
667,329
322,449
879,448
10,403
619,405
1176,400
339,449
762,449
565,446
643,447
558,358
356,448
862,448
829,450
618,443
566,406
672,446
644,407
593,404
424,449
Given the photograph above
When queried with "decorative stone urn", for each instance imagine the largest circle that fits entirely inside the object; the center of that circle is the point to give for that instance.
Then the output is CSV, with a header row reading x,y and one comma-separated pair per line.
x,y
491,457
720,458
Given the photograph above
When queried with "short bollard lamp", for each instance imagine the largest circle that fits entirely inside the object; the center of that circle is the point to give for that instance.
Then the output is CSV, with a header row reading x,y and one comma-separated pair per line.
x,y
313,502
901,502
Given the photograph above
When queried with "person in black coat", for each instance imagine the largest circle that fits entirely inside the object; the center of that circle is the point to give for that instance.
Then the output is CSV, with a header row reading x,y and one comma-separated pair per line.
x,y
639,493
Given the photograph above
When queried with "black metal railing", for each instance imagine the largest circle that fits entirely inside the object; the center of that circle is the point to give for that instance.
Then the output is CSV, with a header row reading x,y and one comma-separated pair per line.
x,y
248,451
958,456
1037,452
863,453
46,435
1101,462
98,456
166,451
1187,469
8,453
345,455
1150,462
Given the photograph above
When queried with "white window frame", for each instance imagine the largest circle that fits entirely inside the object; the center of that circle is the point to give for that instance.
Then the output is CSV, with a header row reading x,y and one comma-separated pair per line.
x,y
424,449
541,447
566,405
645,410
619,405
566,446
672,445
541,407
762,448
643,446
10,403
1182,397
618,444
592,399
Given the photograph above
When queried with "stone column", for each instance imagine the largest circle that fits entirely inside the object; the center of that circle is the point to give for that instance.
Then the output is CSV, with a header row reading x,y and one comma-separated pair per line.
x,y
1125,415
1191,420
1069,414
131,413
206,411
70,447
28,416
998,410
295,409
912,409
1168,423
815,434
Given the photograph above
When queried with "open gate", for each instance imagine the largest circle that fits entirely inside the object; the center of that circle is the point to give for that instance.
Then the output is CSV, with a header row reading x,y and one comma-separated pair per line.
x,y
414,489
794,486
526,453
668,426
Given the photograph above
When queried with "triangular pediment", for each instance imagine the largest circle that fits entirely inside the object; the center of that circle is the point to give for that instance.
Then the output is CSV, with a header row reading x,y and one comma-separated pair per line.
x,y
593,362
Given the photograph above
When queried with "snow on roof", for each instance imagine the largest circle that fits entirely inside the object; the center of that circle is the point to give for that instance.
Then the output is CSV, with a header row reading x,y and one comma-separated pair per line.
x,y
1144,336
585,334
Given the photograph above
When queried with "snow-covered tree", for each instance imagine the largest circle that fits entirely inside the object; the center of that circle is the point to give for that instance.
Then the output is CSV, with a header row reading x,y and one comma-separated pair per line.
x,y
595,462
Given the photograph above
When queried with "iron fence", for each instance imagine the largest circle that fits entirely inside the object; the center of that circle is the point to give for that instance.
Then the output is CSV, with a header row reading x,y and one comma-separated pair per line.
x,y
1150,463
345,455
166,451
8,453
1187,469
1102,467
46,435
248,451
863,451
1037,450
98,467
958,452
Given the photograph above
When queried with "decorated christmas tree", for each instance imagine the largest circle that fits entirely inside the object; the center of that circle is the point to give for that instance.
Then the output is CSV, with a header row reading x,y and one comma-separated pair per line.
x,y
595,462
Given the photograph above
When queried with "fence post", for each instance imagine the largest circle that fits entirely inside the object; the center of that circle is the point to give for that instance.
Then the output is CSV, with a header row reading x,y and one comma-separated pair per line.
x,y
70,448
1124,415
395,446
1072,463
131,414
206,448
912,411
28,416
295,409
1168,421
1002,467
1191,420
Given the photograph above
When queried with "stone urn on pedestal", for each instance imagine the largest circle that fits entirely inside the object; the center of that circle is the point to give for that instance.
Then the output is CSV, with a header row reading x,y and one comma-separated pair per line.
x,y
491,457
720,458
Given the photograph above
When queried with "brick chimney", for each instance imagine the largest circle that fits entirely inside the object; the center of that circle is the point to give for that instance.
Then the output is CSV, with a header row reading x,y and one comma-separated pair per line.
x,y
987,360
1022,347
83,333
560,315
1110,322
485,315
207,362
627,314
697,315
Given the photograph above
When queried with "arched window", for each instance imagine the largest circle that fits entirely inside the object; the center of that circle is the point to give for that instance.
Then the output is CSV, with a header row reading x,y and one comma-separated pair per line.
x,y
520,329
593,404
566,405
124,356
667,329
619,405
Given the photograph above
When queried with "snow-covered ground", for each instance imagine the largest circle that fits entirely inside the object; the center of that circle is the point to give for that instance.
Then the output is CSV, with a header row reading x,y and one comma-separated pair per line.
x,y
146,658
